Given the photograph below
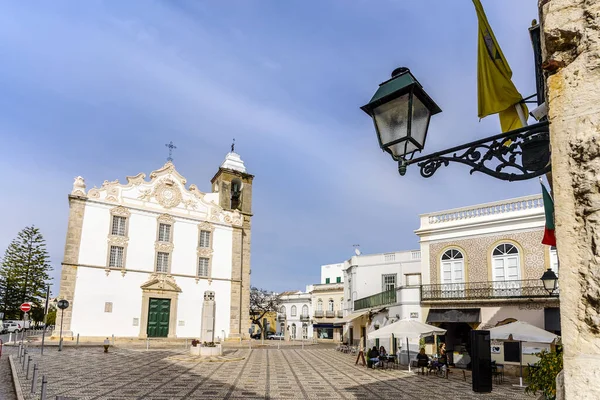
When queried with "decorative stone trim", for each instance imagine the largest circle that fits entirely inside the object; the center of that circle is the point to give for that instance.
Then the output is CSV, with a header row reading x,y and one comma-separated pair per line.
x,y
78,187
167,193
117,240
164,246
205,252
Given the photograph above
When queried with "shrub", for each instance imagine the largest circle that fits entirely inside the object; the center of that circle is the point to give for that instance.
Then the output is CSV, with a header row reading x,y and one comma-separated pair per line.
x,y
542,378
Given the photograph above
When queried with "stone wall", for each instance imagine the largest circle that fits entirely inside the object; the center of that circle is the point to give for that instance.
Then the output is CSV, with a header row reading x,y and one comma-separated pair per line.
x,y
68,274
571,60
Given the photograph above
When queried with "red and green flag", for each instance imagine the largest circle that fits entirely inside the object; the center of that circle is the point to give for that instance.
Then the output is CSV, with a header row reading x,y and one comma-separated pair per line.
x,y
549,237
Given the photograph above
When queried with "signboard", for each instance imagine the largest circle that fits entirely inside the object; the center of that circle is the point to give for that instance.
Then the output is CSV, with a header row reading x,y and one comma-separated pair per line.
x,y
25,307
62,304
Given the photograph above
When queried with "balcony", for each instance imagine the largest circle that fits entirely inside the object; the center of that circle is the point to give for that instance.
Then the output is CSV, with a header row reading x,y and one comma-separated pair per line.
x,y
319,314
530,288
340,314
329,314
305,317
281,317
379,299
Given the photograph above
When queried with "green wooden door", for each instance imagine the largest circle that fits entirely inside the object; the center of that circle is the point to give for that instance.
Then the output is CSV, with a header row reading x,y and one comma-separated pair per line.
x,y
158,317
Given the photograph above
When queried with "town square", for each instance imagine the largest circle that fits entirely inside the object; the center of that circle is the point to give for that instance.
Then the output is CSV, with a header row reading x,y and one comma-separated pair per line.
x,y
260,199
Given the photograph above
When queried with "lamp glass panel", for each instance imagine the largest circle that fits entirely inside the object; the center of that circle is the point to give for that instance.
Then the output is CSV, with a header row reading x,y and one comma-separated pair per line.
x,y
391,119
420,121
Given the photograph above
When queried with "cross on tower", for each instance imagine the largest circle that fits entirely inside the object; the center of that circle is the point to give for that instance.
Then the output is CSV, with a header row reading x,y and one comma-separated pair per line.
x,y
171,147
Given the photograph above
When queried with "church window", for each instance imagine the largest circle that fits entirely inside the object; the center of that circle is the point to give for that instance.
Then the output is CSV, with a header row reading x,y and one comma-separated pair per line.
x,y
203,266
118,225
164,233
204,239
116,257
293,311
162,262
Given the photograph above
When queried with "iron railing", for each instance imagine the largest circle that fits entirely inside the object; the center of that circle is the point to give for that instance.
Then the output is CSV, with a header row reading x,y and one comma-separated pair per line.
x,y
319,314
529,288
329,314
340,313
304,317
379,299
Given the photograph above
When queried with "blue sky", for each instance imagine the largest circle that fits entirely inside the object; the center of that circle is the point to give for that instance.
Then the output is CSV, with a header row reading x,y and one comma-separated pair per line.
x,y
96,89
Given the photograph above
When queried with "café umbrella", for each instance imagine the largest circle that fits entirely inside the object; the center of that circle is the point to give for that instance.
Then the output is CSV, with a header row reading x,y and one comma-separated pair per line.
x,y
408,328
522,332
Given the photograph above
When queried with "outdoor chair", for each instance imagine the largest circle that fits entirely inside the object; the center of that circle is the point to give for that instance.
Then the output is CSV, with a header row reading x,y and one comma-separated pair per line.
x,y
423,364
497,372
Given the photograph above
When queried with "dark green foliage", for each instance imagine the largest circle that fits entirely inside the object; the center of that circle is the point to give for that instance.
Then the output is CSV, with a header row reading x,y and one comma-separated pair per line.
x,y
543,377
24,274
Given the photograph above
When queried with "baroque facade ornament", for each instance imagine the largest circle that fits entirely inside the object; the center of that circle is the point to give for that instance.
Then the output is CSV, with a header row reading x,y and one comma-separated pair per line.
x,y
120,211
204,252
136,180
161,281
145,194
78,187
94,193
190,203
116,240
165,247
205,226
167,193
166,219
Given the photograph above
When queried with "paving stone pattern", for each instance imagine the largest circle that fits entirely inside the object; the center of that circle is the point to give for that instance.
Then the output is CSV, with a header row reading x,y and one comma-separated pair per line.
x,y
7,390
290,373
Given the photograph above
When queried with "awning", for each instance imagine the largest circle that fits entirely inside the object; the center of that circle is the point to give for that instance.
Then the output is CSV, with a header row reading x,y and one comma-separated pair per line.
x,y
468,315
325,325
353,316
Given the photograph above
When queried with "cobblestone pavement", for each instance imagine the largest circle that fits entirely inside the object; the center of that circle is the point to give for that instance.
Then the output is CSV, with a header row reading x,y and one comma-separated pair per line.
x,y
291,373
7,390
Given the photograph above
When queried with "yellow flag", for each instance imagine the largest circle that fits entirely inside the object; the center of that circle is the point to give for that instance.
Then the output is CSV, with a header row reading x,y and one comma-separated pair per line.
x,y
496,93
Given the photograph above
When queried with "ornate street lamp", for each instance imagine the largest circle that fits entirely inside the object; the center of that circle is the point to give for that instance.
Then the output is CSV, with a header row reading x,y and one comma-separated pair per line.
x,y
550,280
401,111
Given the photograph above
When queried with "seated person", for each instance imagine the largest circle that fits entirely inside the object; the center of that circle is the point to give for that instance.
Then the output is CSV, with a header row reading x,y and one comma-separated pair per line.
x,y
373,355
422,360
382,356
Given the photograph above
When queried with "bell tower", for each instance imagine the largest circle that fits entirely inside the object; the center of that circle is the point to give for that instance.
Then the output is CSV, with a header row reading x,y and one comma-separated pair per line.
x,y
234,186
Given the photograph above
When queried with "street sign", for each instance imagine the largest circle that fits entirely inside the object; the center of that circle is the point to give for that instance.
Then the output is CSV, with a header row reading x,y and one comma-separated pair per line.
x,y
25,307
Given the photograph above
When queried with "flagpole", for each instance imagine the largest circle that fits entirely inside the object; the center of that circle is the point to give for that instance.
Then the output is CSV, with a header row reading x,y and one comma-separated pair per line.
x,y
520,113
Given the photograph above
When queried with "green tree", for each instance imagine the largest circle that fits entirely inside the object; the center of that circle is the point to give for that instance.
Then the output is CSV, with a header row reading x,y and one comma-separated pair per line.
x,y
542,377
24,273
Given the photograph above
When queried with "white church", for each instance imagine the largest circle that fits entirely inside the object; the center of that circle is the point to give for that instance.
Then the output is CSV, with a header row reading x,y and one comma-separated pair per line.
x,y
141,256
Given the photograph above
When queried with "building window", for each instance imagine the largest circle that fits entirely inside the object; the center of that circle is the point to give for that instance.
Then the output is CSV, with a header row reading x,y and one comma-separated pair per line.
x,y
453,267
304,331
330,305
108,307
413,279
164,233
505,263
388,282
293,311
554,260
162,262
203,266
338,279
282,310
305,310
327,280
116,256
204,239
320,305
293,331
118,225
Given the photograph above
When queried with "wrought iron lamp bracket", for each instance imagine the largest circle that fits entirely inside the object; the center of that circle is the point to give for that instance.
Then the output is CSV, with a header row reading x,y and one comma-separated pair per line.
x,y
500,156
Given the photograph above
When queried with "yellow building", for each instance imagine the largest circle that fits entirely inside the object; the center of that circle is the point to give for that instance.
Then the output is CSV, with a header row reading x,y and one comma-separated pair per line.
x,y
269,323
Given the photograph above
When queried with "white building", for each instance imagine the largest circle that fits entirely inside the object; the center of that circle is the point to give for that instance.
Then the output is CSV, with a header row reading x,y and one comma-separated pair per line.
x,y
140,256
380,289
332,273
294,316
481,269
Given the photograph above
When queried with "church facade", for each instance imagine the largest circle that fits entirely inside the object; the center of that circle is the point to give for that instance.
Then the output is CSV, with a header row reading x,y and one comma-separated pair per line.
x,y
142,257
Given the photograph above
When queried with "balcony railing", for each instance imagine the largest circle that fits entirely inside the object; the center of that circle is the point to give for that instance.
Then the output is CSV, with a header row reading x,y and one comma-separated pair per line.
x,y
281,317
340,314
329,314
319,314
304,317
379,299
530,288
